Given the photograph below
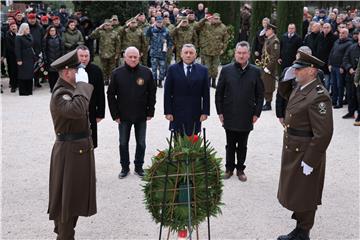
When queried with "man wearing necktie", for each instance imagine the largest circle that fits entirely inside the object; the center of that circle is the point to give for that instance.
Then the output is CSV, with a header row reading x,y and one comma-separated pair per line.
x,y
187,94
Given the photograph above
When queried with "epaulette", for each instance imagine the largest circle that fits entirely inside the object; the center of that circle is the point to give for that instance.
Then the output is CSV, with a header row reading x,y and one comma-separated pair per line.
x,y
319,89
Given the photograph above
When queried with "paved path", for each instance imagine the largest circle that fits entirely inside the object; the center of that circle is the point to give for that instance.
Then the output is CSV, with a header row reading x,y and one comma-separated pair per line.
x,y
251,210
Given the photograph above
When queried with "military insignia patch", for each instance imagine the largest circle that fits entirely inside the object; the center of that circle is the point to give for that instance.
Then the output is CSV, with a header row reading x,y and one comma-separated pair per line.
x,y
276,46
322,108
66,97
319,89
140,81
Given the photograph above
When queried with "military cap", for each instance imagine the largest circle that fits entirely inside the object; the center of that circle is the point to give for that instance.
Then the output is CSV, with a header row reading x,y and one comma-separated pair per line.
x,y
271,26
114,17
131,20
69,60
31,16
107,21
159,18
307,60
216,15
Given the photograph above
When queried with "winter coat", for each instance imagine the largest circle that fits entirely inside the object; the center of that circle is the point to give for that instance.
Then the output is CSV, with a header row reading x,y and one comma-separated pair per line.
x,y
25,53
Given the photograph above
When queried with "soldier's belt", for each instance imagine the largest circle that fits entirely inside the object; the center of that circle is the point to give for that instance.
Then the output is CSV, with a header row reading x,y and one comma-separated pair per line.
x,y
71,136
298,133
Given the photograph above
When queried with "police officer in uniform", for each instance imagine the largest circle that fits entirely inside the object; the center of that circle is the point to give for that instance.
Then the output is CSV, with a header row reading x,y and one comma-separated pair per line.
x,y
269,57
72,168
308,130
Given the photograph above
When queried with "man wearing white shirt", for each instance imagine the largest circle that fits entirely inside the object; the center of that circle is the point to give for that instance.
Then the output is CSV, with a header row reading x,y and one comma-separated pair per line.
x,y
308,130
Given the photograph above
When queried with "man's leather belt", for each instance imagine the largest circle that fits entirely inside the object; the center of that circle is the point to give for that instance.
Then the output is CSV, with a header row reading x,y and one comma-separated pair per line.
x,y
299,133
71,136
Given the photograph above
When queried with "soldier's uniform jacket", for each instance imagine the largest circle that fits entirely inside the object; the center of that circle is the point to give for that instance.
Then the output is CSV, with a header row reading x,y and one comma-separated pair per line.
x,y
272,48
72,169
157,37
133,37
213,38
307,134
182,35
109,42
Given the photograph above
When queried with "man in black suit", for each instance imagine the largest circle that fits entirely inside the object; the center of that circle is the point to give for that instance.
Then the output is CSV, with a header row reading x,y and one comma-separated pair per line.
x,y
187,93
97,101
238,98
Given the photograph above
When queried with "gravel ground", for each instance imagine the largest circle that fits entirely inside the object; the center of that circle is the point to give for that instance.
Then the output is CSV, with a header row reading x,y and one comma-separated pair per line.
x,y
251,210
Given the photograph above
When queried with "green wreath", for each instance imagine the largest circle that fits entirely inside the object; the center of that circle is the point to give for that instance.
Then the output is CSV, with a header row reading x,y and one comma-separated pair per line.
x,y
185,150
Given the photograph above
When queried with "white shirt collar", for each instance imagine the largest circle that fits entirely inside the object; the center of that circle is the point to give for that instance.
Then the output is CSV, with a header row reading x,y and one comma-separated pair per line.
x,y
303,86
185,67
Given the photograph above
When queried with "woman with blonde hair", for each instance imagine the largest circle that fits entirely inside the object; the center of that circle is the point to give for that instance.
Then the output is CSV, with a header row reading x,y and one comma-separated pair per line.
x,y
24,59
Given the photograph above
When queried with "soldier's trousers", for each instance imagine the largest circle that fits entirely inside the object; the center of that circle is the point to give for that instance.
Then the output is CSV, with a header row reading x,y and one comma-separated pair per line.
x,y
304,220
65,230
212,63
157,63
269,86
108,64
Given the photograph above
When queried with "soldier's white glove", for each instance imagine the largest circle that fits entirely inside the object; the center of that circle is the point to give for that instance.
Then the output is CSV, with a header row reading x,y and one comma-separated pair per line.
x,y
289,74
81,76
306,168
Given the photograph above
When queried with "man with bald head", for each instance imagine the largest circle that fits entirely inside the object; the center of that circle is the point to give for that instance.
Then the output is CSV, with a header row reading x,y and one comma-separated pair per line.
x,y
131,96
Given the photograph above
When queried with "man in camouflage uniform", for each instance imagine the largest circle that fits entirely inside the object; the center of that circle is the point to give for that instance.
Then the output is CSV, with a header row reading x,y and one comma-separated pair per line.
x,y
116,24
183,34
133,36
171,28
191,18
143,25
213,40
269,57
109,47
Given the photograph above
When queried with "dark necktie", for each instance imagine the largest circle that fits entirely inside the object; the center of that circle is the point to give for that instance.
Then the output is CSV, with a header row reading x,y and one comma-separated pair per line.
x,y
188,70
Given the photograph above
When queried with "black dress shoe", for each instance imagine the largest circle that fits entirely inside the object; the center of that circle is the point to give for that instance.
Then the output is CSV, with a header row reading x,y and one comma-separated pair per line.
x,y
123,173
348,115
338,106
140,172
291,236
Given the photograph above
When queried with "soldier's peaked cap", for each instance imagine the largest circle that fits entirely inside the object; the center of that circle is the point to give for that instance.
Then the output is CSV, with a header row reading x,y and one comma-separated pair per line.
x,y
271,26
69,60
307,60
216,15
114,17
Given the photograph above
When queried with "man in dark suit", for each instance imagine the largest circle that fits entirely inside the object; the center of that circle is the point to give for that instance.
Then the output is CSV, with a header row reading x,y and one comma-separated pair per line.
x,y
97,101
238,98
187,93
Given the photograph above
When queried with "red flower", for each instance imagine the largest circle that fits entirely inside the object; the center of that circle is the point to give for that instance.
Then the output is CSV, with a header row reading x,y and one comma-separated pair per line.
x,y
194,138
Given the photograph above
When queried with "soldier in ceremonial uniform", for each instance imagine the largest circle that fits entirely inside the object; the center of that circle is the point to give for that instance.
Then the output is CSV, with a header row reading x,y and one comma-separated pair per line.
x,y
72,169
269,57
213,40
308,130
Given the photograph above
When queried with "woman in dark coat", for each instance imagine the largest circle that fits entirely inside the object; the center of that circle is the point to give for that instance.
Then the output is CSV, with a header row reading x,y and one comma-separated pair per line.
x,y
86,28
24,59
53,49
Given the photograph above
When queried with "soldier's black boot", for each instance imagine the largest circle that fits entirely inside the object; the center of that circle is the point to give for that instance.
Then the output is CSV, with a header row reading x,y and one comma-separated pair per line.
x,y
267,106
139,171
213,82
291,236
